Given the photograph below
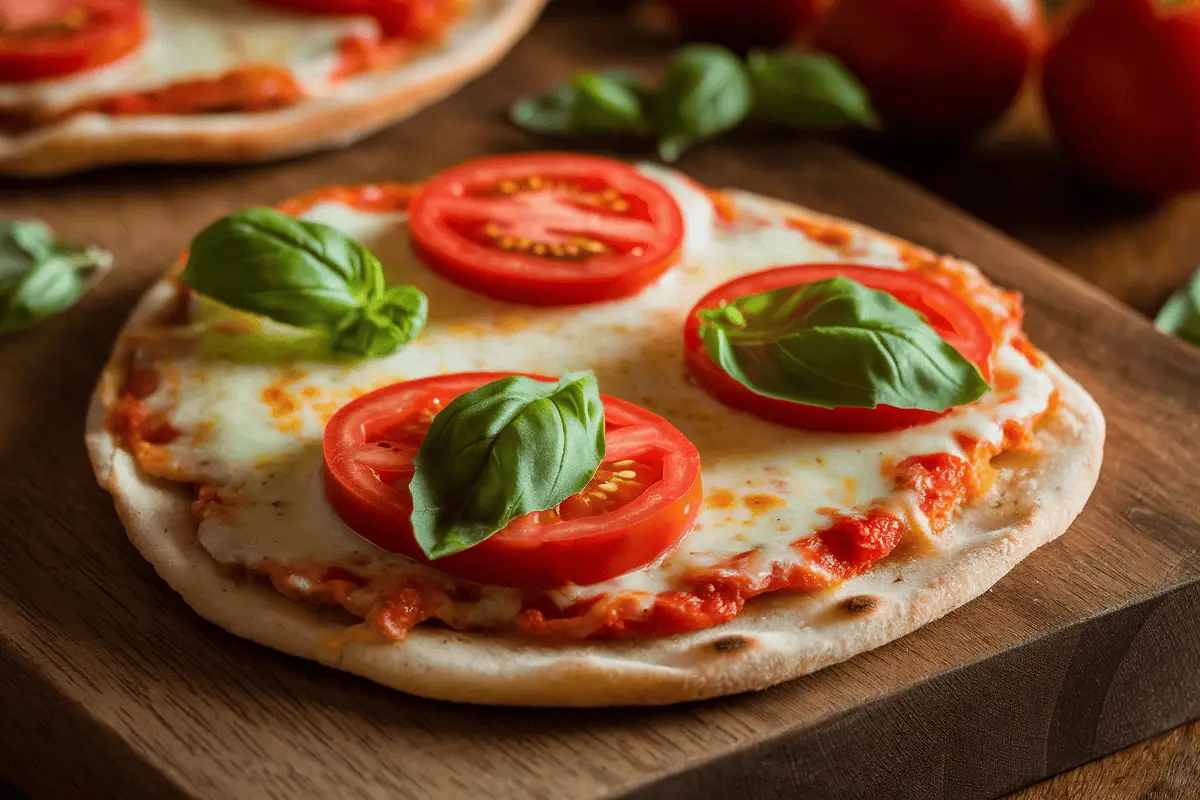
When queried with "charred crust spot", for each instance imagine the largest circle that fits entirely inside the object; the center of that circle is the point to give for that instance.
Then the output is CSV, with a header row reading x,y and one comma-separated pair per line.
x,y
860,604
730,644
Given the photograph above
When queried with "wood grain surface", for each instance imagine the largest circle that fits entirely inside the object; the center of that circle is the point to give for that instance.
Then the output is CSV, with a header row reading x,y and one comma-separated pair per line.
x,y
111,687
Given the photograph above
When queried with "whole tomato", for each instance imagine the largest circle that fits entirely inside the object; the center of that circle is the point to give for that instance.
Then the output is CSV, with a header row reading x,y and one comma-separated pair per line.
x,y
748,23
936,66
1122,88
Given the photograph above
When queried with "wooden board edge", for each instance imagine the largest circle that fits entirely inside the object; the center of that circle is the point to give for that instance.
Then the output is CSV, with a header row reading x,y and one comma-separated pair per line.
x,y
1091,688
53,748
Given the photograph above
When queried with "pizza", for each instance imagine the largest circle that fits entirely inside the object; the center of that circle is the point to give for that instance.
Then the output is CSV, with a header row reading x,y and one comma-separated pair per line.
x,y
91,82
554,429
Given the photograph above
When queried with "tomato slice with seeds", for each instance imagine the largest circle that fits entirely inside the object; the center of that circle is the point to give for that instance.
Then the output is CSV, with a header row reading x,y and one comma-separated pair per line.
x,y
415,20
643,499
547,228
949,315
48,38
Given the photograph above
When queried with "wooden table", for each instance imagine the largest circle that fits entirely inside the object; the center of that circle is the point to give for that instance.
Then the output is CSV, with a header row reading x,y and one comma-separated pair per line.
x,y
1016,180
1013,181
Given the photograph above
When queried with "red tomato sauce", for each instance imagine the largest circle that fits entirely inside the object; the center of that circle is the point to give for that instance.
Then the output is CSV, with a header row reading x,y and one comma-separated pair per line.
x,y
246,89
835,236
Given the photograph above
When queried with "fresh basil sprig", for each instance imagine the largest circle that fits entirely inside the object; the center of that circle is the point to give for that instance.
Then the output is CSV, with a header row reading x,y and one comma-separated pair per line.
x,y
611,102
508,448
1181,313
809,90
308,275
835,343
39,276
705,91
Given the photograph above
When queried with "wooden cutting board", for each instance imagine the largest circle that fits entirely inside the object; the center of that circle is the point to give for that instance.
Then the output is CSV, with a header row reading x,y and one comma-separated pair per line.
x,y
111,686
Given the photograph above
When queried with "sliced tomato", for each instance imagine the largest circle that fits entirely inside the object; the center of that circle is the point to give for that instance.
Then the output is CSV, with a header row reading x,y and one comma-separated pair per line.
x,y
416,20
644,498
950,316
547,228
47,38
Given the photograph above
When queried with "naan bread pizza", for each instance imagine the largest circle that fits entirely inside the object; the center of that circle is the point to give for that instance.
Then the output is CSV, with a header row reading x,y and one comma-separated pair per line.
x,y
553,429
91,82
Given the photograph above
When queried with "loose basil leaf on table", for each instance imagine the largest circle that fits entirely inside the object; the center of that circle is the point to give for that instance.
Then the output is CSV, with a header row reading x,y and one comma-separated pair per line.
x,y
611,102
304,274
39,276
809,90
834,344
704,93
1181,313
508,448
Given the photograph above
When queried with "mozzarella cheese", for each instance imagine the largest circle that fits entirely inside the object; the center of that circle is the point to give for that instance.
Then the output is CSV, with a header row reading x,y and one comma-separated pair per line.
x,y
197,39
255,429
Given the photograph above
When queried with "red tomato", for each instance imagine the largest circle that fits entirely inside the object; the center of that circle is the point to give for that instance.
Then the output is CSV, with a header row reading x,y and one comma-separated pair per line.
x,y
411,19
1122,88
936,66
47,38
547,228
595,535
766,23
950,317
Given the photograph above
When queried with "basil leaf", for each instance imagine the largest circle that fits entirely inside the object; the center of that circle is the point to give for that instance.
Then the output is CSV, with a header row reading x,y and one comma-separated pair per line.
x,y
633,82
835,343
304,274
38,276
387,322
550,113
51,286
508,448
23,242
606,105
808,90
704,93
607,102
296,272
1181,313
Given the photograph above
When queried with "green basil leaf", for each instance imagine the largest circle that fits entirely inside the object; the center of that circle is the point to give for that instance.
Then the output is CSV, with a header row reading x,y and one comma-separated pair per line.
x,y
50,287
508,448
307,275
1181,313
387,322
38,276
634,83
23,243
606,105
835,343
548,114
606,102
704,93
300,273
808,90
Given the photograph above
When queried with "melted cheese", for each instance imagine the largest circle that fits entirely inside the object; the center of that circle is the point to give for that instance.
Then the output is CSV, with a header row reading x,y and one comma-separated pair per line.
x,y
196,39
256,428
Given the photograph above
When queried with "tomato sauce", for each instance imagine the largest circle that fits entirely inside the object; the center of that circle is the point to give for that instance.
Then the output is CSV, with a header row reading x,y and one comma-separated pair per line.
x,y
835,236
247,89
